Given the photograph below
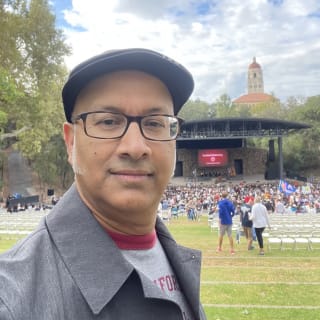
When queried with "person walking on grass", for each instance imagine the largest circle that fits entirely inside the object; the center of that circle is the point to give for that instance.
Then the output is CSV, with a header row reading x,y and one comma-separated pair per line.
x,y
260,219
226,212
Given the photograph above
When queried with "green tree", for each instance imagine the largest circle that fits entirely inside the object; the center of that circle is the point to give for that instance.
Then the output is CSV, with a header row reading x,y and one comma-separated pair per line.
x,y
243,111
224,107
11,44
52,165
45,50
195,110
302,150
37,70
9,97
32,73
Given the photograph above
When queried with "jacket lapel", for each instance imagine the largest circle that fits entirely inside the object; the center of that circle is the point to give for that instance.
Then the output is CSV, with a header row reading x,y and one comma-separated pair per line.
x,y
186,264
91,257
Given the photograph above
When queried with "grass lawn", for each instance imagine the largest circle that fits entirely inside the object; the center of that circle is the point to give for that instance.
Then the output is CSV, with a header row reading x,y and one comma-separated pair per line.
x,y
282,285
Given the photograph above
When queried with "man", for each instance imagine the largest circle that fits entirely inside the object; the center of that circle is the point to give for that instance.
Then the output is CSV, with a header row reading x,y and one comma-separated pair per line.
x,y
102,253
226,212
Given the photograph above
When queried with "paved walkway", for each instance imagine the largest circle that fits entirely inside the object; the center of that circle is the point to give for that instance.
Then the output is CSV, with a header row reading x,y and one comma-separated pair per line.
x,y
19,175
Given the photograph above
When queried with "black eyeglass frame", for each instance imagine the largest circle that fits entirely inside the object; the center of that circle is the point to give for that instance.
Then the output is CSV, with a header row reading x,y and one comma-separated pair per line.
x,y
130,119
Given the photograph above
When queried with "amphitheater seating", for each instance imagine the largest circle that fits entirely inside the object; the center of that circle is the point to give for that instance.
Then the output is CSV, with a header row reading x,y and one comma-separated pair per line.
x,y
19,224
314,240
294,231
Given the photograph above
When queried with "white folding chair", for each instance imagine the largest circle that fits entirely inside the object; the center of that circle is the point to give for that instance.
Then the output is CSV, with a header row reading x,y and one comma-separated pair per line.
x,y
274,241
314,240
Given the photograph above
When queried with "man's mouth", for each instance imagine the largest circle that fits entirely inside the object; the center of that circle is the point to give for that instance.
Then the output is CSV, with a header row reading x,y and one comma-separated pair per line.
x,y
129,175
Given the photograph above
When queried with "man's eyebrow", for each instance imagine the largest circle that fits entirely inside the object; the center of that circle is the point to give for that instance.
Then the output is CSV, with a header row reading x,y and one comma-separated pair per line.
x,y
106,108
110,108
155,110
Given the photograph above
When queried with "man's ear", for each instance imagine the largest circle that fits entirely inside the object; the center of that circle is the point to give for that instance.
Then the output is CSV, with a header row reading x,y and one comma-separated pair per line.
x,y
68,135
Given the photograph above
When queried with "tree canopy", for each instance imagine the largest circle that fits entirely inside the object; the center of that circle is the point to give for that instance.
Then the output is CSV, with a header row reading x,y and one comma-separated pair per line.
x,y
32,72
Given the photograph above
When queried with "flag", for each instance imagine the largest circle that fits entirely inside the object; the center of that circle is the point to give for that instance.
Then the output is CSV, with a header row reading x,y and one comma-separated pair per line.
x,y
306,189
286,187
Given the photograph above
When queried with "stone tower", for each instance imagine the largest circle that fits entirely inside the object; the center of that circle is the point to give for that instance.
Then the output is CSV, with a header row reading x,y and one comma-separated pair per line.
x,y
255,78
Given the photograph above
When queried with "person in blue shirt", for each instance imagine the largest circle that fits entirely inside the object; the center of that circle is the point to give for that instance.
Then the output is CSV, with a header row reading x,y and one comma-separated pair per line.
x,y
226,212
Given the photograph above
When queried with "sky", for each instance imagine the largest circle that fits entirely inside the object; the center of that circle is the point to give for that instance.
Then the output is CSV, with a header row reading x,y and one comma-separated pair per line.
x,y
215,40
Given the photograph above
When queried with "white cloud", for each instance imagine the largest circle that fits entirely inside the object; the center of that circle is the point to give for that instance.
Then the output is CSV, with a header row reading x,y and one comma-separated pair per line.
x,y
215,40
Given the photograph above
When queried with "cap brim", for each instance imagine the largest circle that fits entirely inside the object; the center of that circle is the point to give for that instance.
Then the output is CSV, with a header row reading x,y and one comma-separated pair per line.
x,y
177,78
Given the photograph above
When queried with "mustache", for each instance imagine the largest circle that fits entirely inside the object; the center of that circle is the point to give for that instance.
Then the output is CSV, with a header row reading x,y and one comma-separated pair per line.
x,y
131,167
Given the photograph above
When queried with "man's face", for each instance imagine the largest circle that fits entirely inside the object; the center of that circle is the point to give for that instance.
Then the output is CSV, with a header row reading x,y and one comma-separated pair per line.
x,y
122,179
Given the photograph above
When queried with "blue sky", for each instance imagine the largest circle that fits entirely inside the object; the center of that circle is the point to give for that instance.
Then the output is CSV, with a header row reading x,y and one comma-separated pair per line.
x,y
215,40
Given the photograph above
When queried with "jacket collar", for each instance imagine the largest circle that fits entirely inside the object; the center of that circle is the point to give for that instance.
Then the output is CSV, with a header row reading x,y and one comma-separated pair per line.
x,y
96,264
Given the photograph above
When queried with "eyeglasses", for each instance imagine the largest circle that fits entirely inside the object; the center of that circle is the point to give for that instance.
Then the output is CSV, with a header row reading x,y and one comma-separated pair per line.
x,y
113,125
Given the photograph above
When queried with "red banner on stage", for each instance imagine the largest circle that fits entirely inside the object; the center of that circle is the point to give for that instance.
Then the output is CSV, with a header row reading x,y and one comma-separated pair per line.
x,y
212,158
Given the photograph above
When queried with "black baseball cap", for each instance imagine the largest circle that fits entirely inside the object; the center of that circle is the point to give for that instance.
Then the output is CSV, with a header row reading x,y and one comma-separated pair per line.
x,y
176,77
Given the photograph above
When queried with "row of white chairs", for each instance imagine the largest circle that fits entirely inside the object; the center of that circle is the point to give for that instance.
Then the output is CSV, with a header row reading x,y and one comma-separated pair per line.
x,y
19,224
290,238
293,233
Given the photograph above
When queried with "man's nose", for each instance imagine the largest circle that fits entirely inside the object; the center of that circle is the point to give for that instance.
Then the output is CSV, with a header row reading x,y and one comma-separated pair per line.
x,y
133,142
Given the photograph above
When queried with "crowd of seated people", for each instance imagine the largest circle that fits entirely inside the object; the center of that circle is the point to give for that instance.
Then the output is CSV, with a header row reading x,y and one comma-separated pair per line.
x,y
21,203
205,197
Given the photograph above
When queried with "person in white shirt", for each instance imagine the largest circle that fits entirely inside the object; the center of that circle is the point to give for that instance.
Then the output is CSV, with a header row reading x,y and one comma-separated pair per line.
x,y
260,219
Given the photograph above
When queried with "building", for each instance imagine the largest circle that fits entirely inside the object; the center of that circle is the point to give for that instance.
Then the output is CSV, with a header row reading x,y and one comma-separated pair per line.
x,y
218,147
255,87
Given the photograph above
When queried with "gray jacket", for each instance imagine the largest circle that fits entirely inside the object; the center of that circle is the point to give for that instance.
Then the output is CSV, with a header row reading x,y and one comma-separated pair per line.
x,y
70,269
